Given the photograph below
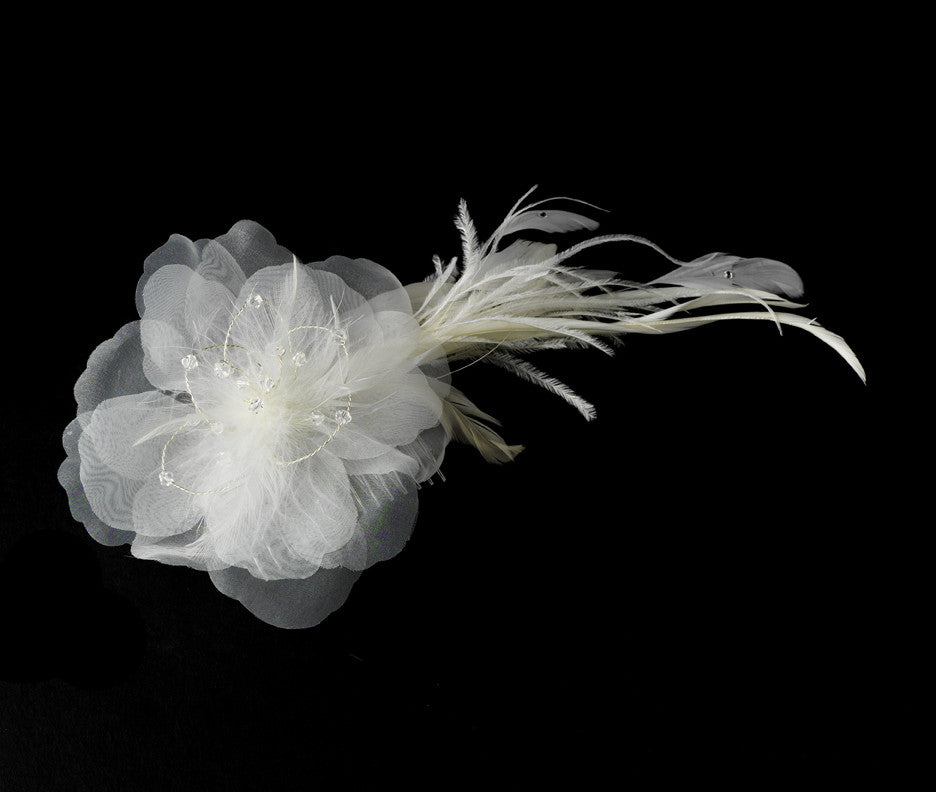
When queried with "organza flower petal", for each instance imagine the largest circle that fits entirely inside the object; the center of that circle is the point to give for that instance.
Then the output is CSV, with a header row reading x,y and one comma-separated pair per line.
x,y
286,531
69,476
294,308
395,412
386,519
207,309
118,427
290,604
177,251
374,283
160,510
318,514
193,307
109,494
428,450
115,368
181,549
253,247
217,265
354,444
383,344
163,349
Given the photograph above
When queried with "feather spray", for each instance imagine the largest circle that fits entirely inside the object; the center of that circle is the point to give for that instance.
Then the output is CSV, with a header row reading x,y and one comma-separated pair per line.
x,y
502,304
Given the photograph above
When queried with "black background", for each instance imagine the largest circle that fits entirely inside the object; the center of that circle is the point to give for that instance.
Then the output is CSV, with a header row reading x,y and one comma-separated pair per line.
x,y
719,579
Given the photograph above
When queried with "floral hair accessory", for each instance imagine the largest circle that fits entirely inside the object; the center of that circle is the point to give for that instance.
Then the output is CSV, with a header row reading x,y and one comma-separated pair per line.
x,y
270,421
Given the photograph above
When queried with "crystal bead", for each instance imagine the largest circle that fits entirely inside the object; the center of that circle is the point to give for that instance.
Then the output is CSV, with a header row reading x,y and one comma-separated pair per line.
x,y
165,478
223,369
299,359
279,351
316,418
189,362
255,405
255,301
266,384
242,384
342,417
216,428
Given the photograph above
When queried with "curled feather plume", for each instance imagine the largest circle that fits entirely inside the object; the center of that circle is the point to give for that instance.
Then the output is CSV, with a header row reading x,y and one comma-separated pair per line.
x,y
270,422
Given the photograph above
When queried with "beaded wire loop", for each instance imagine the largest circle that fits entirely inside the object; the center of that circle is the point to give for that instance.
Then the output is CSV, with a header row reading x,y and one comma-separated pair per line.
x,y
253,400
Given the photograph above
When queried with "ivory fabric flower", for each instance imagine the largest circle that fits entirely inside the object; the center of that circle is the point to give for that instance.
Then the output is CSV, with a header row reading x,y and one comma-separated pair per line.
x,y
265,420
270,422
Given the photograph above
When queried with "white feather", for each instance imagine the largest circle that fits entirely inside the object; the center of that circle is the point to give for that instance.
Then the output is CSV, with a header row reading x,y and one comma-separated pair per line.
x,y
526,370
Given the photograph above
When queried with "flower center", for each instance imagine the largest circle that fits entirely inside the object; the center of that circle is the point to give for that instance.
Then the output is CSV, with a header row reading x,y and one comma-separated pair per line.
x,y
285,399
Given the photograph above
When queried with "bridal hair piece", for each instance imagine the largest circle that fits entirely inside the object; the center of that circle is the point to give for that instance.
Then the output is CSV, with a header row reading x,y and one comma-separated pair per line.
x,y
270,422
